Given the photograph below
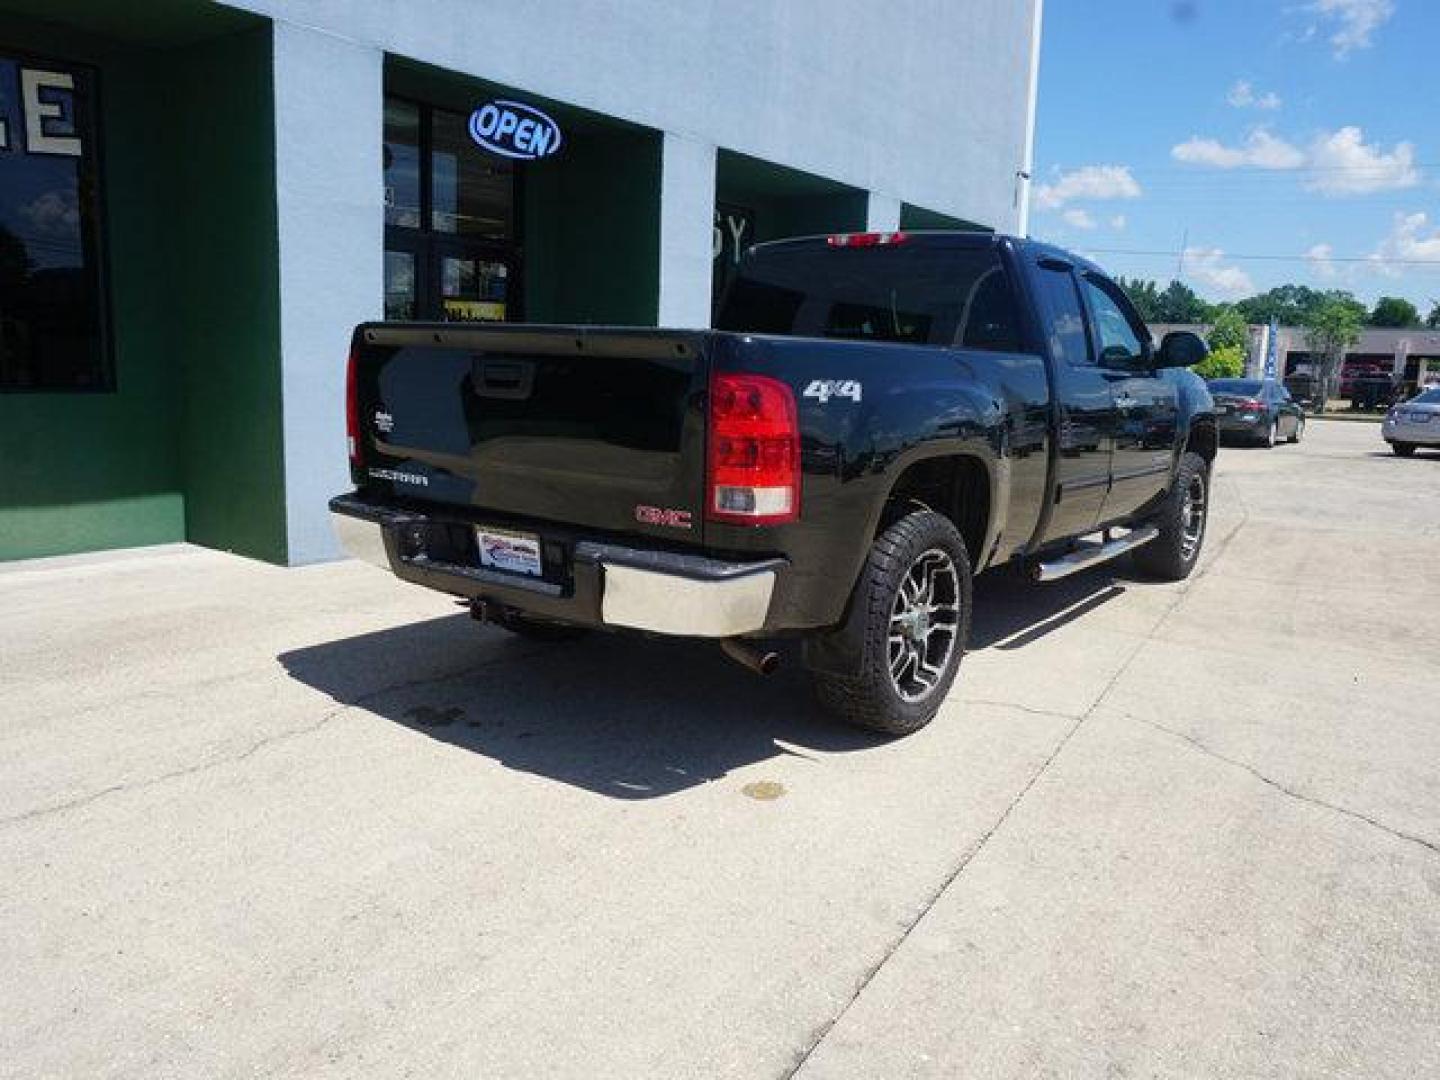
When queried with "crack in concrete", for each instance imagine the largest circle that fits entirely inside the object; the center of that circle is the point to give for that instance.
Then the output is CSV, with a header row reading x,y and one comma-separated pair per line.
x,y
249,751
1300,796
1051,714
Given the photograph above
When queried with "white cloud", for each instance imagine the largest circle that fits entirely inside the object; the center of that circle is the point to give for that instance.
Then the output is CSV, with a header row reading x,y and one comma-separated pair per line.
x,y
1411,236
1118,222
1352,22
1078,218
1346,166
1319,257
1261,150
1088,182
1242,96
1207,266
1339,162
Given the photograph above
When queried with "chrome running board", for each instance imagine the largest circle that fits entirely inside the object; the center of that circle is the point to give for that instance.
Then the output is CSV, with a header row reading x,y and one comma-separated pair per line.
x,y
1091,554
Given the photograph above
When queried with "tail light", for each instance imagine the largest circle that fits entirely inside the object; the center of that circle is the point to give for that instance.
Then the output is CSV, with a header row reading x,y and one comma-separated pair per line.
x,y
754,451
866,239
1252,406
352,410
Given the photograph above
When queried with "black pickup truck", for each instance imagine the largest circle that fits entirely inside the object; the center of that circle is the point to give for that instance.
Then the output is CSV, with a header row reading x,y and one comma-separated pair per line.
x,y
876,418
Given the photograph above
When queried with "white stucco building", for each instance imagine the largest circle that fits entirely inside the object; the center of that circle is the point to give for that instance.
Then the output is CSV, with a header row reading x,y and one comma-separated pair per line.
x,y
238,184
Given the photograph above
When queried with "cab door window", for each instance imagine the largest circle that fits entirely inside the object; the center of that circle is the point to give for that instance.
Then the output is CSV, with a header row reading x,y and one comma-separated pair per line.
x,y
1065,320
1119,336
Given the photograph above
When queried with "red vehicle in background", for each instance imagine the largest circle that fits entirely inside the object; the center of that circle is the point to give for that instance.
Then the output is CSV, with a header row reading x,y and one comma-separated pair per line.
x,y
1353,370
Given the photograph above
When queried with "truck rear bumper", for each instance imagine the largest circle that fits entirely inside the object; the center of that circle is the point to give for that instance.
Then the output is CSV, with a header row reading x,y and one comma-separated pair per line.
x,y
588,582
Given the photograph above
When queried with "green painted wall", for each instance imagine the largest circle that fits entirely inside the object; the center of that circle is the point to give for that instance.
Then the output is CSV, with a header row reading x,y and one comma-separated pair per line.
x,y
592,231
226,296
188,189
917,217
787,202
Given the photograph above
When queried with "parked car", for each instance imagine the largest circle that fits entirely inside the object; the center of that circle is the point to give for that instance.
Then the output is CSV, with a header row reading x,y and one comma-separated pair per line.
x,y
1257,410
877,418
1351,371
1413,423
1303,388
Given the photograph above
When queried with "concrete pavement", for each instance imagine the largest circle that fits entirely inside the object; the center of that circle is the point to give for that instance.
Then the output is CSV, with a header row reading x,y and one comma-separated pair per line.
x,y
313,822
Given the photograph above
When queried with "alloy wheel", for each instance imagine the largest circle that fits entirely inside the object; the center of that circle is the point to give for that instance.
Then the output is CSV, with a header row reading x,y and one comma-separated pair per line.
x,y
924,625
1192,517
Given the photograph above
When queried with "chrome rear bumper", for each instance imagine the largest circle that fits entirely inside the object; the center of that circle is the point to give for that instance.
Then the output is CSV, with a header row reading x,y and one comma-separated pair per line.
x,y
660,592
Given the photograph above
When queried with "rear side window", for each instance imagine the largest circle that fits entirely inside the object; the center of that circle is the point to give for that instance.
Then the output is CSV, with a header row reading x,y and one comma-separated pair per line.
x,y
1065,321
912,295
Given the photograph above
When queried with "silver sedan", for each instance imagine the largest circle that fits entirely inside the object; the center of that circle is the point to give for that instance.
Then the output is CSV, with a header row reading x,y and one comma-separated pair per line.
x,y
1414,423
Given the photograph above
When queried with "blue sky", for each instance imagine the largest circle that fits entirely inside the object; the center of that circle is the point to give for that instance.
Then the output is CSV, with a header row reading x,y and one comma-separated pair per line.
x,y
1236,128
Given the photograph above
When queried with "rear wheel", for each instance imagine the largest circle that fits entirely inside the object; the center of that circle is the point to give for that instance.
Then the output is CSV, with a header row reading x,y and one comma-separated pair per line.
x,y
1268,439
1299,430
1402,449
914,597
1181,521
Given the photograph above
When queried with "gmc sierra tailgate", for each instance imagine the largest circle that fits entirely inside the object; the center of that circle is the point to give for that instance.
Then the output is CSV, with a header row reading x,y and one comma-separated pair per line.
x,y
597,428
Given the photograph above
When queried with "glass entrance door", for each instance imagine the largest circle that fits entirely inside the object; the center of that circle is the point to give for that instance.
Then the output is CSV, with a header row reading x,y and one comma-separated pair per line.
x,y
475,284
451,251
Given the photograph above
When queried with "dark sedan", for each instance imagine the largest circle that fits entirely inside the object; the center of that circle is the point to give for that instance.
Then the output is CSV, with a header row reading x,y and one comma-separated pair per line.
x,y
1257,410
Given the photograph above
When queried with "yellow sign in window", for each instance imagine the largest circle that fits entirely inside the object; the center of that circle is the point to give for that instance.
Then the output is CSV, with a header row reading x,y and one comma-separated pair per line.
x,y
457,310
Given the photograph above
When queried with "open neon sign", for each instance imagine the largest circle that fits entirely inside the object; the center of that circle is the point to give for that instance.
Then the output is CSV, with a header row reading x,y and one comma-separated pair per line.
x,y
513,129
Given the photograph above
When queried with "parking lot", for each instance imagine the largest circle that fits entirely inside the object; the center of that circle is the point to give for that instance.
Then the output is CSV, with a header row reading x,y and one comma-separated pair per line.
x,y
317,823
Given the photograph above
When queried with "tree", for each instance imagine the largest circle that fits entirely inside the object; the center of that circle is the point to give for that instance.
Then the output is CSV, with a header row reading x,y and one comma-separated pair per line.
x,y
1329,330
1394,311
1179,304
1176,304
1287,304
1229,330
1145,295
1225,362
1433,319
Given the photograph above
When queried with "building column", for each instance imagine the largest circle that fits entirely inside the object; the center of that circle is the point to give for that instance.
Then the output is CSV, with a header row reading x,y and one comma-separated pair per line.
x,y
331,228
882,214
687,230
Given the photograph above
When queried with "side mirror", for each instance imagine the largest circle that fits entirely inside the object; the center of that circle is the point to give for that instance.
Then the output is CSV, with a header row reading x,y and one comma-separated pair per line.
x,y
1181,348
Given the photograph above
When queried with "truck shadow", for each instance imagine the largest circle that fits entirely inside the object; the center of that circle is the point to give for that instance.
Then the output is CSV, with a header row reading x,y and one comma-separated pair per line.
x,y
1011,613
617,715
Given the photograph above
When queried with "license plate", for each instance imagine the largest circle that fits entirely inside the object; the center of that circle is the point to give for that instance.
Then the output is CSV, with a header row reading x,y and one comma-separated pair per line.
x,y
517,553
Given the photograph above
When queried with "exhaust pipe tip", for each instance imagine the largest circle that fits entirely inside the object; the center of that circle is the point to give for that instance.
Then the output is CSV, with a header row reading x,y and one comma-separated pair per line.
x,y
761,662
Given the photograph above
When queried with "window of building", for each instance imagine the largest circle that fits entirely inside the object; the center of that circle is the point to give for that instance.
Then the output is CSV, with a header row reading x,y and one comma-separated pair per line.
x,y
52,301
471,193
402,163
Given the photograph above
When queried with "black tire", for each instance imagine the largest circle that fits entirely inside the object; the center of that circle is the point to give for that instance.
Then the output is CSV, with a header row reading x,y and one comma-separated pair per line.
x,y
535,630
1268,439
1402,449
1299,430
1173,554
875,697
